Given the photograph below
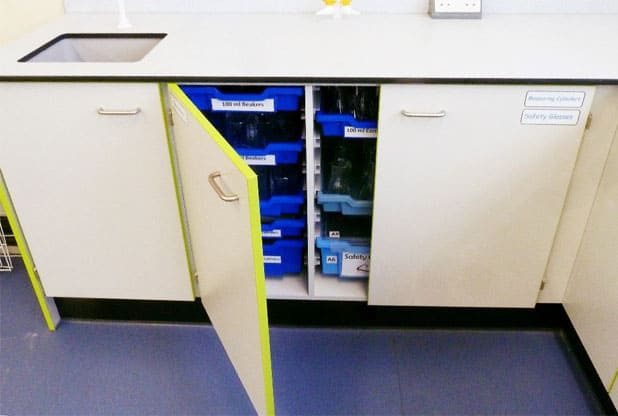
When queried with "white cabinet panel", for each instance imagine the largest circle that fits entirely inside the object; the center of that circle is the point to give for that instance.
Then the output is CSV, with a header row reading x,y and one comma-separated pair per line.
x,y
582,191
94,193
466,205
591,300
226,244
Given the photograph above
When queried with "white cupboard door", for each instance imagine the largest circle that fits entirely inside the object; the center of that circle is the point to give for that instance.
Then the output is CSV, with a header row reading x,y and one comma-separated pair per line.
x,y
591,299
222,210
88,169
470,185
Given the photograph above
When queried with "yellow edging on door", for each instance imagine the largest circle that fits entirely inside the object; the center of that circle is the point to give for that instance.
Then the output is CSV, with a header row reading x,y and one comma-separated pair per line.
x,y
613,382
5,202
256,238
177,190
260,286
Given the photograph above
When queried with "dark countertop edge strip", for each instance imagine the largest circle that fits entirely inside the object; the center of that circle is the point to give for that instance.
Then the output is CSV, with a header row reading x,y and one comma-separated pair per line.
x,y
309,80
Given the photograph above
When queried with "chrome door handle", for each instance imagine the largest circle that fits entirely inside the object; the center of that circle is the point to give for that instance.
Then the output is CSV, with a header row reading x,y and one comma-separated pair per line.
x,y
212,181
104,112
414,114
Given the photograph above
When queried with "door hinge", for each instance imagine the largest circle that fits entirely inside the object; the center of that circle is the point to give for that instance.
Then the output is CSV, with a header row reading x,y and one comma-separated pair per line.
x,y
588,121
171,117
542,285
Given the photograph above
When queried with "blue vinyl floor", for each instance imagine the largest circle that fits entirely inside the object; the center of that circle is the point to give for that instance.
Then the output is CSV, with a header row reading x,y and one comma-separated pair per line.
x,y
102,368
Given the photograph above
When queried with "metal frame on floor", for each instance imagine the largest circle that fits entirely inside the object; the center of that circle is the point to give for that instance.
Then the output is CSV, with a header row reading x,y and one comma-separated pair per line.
x,y
6,264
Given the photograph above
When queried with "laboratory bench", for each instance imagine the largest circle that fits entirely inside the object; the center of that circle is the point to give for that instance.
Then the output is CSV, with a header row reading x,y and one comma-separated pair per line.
x,y
464,165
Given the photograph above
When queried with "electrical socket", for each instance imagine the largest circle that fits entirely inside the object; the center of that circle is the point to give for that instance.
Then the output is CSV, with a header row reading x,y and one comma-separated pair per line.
x,y
455,9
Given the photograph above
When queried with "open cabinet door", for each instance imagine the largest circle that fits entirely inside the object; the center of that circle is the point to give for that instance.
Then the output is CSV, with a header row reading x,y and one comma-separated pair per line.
x,y
222,210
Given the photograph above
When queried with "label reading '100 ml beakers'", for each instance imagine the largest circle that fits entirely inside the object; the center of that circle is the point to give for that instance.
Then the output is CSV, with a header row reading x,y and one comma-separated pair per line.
x,y
264,106
271,234
272,259
360,132
260,160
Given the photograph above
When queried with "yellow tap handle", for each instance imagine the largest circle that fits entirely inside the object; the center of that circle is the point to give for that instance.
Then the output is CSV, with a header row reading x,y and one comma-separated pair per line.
x,y
330,2
346,2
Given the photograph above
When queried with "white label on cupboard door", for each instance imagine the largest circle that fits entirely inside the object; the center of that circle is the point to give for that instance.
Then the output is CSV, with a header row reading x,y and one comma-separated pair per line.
x,y
179,109
354,264
571,99
266,106
271,234
260,160
360,132
272,259
550,117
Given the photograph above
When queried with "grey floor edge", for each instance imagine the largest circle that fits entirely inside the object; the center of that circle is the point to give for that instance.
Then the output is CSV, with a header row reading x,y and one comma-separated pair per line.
x,y
115,368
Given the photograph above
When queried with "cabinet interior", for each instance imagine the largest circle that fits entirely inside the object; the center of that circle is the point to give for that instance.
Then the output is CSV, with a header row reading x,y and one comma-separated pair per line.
x,y
334,169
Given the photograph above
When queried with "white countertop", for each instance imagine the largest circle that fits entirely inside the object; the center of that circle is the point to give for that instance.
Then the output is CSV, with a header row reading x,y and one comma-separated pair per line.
x,y
299,47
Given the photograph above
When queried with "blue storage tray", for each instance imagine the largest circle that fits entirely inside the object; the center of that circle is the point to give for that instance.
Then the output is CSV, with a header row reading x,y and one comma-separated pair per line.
x,y
345,125
344,204
273,154
283,257
278,205
272,99
347,259
283,227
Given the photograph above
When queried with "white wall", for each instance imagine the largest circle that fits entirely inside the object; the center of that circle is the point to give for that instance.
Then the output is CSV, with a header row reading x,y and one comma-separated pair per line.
x,y
20,16
310,6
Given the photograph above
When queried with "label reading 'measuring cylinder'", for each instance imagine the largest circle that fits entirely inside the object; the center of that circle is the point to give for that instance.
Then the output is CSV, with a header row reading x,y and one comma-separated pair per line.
x,y
560,99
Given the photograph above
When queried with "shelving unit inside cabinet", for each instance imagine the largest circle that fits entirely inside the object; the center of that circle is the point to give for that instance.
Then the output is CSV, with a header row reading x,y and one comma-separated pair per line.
x,y
313,150
265,126
345,133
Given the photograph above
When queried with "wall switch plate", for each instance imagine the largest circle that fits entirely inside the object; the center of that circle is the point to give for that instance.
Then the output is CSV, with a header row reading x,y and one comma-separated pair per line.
x,y
455,9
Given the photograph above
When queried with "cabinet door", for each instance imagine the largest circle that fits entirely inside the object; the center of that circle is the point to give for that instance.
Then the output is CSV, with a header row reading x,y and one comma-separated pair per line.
x,y
591,299
469,190
93,189
222,210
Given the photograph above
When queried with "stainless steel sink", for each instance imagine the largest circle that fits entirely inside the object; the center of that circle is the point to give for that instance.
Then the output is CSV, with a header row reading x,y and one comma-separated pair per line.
x,y
95,47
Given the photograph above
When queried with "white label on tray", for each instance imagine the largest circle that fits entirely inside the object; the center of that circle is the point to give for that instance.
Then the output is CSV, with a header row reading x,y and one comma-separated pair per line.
x,y
360,132
354,264
260,160
551,117
572,99
334,234
331,260
265,106
271,234
272,259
